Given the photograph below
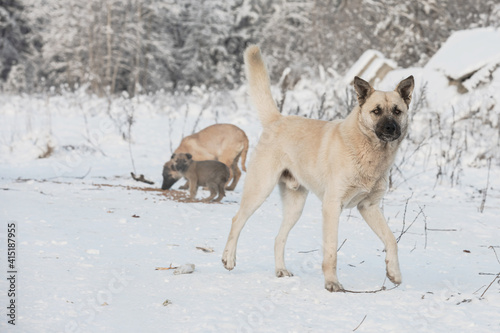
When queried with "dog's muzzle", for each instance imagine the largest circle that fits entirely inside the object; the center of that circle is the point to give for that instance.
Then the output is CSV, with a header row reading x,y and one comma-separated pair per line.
x,y
168,181
388,130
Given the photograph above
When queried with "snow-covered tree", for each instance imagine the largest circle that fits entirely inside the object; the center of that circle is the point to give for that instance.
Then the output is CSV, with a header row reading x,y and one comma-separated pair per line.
x,y
17,47
138,46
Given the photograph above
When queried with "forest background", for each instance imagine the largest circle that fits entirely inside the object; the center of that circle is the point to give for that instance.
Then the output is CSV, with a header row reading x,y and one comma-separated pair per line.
x,y
140,47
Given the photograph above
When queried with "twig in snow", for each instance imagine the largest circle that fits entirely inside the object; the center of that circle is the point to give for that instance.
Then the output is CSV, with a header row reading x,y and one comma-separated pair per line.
x,y
284,84
369,291
308,251
486,188
429,229
88,136
141,179
321,109
425,229
205,249
72,177
185,119
282,102
414,247
165,268
197,120
95,146
496,255
494,279
318,249
496,275
404,218
85,175
205,106
415,219
360,323
403,231
131,155
341,245
478,290
170,130
128,136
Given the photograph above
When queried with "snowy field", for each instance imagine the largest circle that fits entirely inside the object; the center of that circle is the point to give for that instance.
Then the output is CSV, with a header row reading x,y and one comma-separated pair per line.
x,y
89,239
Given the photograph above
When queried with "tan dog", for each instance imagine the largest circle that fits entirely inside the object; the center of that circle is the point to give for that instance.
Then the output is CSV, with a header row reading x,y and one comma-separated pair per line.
x,y
220,142
212,174
345,163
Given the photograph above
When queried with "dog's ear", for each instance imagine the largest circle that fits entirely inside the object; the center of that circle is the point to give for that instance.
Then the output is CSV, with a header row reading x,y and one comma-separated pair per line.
x,y
363,89
405,89
189,156
172,157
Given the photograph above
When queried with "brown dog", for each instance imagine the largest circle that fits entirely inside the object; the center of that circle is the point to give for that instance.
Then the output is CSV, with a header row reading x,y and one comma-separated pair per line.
x,y
220,142
212,174
345,163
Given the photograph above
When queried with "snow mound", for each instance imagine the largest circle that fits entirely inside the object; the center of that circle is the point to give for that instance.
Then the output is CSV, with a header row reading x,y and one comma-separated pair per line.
x,y
466,51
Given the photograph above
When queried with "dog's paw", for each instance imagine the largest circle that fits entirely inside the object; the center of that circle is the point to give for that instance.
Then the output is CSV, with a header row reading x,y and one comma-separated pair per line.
x,y
395,277
393,272
283,273
228,262
333,286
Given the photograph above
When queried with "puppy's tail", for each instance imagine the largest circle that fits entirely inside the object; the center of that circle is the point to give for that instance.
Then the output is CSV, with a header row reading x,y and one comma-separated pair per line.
x,y
259,86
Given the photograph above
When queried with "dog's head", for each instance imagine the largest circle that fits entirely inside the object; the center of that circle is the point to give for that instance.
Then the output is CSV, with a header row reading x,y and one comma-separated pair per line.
x,y
384,113
181,162
170,176
173,169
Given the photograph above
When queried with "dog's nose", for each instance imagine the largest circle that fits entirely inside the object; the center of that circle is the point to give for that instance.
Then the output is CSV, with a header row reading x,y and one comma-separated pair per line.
x,y
390,127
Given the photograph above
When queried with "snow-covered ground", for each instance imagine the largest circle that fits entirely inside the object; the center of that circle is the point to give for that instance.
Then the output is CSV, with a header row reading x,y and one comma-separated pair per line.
x,y
88,241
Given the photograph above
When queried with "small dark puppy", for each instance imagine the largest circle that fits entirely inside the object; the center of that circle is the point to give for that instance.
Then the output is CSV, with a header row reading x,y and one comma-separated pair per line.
x,y
212,174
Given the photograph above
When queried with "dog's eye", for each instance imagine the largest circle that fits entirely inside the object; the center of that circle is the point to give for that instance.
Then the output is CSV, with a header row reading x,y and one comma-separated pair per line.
x,y
397,111
376,111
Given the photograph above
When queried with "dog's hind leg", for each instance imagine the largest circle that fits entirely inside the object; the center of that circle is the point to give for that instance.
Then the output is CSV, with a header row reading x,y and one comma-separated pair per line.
x,y
236,174
213,192
222,193
376,220
293,204
260,181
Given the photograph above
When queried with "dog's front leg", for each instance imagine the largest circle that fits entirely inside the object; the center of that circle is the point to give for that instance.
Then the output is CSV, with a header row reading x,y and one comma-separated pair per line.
x,y
331,214
373,216
193,187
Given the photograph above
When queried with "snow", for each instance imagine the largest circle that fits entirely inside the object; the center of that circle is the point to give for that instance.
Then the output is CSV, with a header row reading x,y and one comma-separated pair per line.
x,y
483,75
469,50
89,239
367,66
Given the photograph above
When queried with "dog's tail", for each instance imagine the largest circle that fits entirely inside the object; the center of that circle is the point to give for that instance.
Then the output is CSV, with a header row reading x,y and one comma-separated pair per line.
x,y
260,89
